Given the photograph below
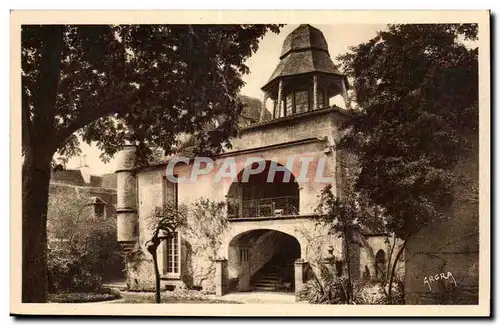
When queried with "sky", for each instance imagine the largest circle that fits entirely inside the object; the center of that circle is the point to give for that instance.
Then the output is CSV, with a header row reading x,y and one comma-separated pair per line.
x,y
262,64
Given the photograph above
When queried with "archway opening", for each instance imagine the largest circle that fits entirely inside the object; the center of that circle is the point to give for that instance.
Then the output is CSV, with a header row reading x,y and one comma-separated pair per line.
x,y
272,192
262,260
380,265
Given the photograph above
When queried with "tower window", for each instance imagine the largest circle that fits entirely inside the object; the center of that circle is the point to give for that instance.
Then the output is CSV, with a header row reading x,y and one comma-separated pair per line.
x,y
289,104
321,99
301,101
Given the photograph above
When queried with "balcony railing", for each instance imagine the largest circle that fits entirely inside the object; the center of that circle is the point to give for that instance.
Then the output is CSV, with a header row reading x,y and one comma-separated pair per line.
x,y
264,207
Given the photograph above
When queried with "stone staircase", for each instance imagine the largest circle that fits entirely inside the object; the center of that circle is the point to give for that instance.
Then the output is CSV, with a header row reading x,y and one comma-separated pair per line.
x,y
273,276
269,281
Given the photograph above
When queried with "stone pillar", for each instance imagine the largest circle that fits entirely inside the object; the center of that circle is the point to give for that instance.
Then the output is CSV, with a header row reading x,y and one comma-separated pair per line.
x,y
315,93
263,110
280,100
300,266
220,276
344,93
126,207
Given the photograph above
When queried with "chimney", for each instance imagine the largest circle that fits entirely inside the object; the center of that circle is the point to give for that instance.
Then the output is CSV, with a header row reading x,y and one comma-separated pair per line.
x,y
84,168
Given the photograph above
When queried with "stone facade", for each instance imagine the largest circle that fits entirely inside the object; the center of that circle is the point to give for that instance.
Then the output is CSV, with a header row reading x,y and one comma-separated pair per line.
x,y
287,239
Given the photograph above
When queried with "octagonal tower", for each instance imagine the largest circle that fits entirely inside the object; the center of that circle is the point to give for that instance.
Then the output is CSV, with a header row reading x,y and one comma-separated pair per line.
x,y
306,78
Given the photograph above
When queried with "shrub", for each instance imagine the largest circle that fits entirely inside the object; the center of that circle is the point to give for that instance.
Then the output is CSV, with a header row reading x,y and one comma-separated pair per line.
x,y
81,262
326,289
80,297
376,293
369,293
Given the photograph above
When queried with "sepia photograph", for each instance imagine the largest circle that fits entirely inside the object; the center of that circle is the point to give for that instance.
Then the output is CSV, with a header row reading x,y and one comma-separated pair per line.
x,y
250,163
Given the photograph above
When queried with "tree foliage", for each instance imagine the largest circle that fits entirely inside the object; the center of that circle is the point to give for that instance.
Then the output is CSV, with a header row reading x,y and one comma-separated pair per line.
x,y
416,87
83,250
349,216
141,84
118,84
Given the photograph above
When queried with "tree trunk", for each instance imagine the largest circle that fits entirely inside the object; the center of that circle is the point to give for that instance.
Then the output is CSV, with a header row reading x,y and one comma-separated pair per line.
x,y
348,262
35,193
157,278
393,270
389,259
152,247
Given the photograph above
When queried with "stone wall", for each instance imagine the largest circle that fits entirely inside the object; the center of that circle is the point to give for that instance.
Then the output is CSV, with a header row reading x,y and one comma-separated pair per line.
x,y
315,124
372,244
448,248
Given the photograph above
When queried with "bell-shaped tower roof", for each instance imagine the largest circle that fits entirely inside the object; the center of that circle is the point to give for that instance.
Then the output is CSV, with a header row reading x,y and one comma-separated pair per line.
x,y
304,51
304,37
305,79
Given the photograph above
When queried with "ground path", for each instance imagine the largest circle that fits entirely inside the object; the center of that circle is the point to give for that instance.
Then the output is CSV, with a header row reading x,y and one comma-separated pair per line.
x,y
238,297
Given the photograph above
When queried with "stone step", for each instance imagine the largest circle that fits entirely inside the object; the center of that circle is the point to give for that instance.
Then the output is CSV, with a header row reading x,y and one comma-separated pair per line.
x,y
264,288
266,283
271,278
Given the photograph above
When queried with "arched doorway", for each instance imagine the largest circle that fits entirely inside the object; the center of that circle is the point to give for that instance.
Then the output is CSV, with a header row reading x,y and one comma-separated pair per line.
x,y
380,265
265,194
262,260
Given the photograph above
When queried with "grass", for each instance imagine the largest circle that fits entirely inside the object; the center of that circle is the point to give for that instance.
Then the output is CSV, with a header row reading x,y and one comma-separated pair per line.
x,y
81,297
169,298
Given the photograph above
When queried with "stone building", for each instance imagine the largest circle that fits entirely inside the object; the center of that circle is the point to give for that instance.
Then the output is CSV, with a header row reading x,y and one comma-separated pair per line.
x,y
99,191
272,241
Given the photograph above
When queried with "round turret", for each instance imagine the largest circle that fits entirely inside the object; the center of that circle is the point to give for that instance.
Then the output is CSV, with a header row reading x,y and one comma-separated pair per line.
x,y
126,209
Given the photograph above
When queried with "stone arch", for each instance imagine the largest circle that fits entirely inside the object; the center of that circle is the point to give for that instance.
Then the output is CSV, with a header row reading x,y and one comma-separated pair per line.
x,y
252,195
380,264
237,230
237,237
253,254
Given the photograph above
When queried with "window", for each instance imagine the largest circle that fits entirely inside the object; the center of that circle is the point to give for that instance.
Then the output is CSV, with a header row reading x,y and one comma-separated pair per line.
x,y
99,207
321,99
243,255
169,192
171,245
301,101
289,104
99,211
172,260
